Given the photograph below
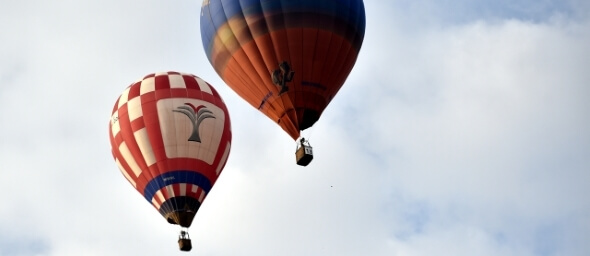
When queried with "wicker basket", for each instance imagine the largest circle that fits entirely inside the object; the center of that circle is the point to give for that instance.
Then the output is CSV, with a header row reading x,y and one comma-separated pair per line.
x,y
185,244
304,155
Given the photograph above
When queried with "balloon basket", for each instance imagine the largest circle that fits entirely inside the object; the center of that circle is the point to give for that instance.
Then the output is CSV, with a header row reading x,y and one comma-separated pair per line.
x,y
304,155
185,244
184,241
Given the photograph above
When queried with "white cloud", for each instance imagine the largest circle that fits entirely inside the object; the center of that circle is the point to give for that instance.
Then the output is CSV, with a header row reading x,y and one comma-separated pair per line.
x,y
464,138
485,121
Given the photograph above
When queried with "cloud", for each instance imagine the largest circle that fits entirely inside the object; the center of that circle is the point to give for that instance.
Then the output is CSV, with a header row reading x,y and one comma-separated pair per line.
x,y
484,121
457,135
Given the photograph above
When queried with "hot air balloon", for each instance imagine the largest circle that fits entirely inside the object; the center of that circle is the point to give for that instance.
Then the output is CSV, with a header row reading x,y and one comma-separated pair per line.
x,y
287,58
170,135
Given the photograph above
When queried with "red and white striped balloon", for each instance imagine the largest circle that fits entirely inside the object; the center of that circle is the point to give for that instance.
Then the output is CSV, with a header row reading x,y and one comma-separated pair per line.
x,y
171,135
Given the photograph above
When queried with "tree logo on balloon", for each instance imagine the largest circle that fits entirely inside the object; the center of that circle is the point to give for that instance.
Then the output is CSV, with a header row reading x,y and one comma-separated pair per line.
x,y
196,115
282,76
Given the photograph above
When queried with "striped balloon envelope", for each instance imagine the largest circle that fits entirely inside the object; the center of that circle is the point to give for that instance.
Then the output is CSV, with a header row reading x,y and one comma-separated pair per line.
x,y
170,135
287,58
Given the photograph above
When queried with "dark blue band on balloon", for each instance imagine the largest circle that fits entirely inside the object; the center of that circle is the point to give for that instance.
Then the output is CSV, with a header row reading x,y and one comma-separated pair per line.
x,y
174,177
224,10
216,14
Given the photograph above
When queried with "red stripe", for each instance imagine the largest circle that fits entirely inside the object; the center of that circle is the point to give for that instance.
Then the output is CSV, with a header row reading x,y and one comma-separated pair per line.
x,y
215,93
163,93
134,91
194,93
123,163
158,200
191,82
225,139
165,193
129,138
147,97
162,82
176,188
189,164
194,194
137,124
143,180
152,125
116,107
178,93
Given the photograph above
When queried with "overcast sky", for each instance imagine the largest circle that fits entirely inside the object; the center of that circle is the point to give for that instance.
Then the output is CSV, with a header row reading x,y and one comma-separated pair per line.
x,y
464,129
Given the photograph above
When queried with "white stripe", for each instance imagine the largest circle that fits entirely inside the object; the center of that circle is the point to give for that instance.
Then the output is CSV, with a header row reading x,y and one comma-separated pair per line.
x,y
223,159
182,189
129,159
123,99
176,81
202,196
160,196
143,141
203,85
155,203
134,108
170,189
125,173
115,127
147,85
194,188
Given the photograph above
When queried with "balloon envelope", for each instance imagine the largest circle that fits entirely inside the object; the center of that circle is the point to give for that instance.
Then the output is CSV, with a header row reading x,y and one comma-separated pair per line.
x,y
170,135
287,58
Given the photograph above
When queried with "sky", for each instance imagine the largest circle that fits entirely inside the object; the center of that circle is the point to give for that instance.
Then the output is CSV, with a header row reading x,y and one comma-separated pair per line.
x,y
463,129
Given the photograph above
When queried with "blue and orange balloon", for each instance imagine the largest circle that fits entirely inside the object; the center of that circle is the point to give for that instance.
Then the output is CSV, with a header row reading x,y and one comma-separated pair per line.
x,y
287,58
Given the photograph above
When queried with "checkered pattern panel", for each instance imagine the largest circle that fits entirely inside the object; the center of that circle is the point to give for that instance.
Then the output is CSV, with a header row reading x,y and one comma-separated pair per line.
x,y
152,133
